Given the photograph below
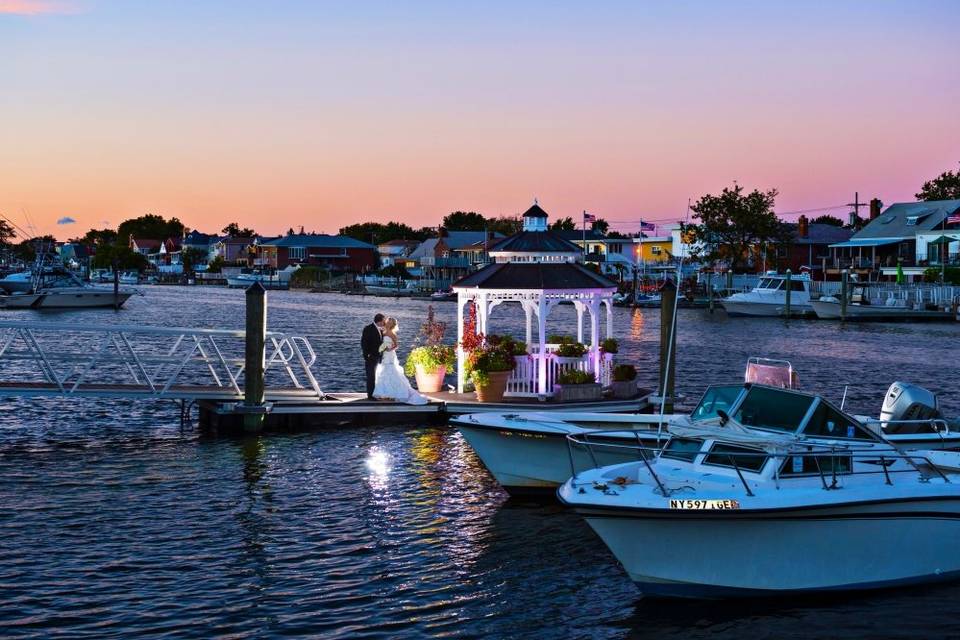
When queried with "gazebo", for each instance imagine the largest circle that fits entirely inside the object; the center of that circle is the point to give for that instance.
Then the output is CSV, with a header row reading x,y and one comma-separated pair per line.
x,y
539,270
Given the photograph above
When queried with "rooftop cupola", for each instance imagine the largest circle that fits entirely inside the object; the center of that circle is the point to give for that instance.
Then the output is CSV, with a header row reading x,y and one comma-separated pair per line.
x,y
535,219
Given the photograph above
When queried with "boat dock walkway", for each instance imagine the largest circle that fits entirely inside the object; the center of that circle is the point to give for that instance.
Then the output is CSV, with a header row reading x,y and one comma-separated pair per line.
x,y
208,367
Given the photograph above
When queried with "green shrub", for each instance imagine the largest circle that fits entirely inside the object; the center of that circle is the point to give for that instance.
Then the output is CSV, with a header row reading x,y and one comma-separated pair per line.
x,y
496,354
610,345
571,350
575,376
431,358
558,338
951,275
624,373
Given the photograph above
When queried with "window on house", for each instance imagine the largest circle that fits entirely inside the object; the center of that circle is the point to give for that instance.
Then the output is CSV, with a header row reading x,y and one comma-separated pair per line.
x,y
655,250
912,221
297,253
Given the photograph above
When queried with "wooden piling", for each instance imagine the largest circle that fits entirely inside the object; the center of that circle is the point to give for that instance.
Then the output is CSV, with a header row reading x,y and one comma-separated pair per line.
x,y
786,309
668,343
844,293
710,290
254,353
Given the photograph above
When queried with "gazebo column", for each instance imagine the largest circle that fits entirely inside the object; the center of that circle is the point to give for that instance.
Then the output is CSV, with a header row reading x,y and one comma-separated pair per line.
x,y
542,352
528,312
595,337
579,307
609,305
482,314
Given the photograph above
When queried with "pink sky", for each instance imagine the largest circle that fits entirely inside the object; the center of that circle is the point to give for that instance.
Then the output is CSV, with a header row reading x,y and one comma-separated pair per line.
x,y
307,115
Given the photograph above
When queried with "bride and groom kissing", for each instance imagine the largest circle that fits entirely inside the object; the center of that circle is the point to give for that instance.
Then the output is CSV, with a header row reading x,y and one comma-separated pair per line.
x,y
385,377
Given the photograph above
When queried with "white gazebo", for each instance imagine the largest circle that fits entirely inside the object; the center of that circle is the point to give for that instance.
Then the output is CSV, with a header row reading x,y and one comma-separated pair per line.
x,y
539,270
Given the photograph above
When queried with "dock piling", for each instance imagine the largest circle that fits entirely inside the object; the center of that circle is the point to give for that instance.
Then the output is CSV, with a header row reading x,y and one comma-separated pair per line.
x,y
668,343
844,293
254,353
786,309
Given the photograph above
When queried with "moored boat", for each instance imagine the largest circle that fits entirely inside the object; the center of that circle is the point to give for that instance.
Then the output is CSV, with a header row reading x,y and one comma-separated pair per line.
x,y
769,297
782,494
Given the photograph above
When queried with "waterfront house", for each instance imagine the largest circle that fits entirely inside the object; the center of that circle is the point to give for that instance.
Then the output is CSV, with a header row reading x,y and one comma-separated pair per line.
x,y
397,252
168,257
333,253
144,246
809,247
199,241
903,233
613,255
232,249
447,257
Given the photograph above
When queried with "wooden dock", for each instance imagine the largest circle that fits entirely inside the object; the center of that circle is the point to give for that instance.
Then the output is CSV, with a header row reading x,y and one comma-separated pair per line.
x,y
342,409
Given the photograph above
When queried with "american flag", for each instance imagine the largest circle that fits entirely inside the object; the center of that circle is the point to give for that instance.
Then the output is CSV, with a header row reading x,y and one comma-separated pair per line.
x,y
589,217
647,226
954,219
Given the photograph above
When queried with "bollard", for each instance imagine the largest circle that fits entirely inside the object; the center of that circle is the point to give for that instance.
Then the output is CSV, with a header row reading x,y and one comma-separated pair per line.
x,y
254,351
668,343
844,291
786,309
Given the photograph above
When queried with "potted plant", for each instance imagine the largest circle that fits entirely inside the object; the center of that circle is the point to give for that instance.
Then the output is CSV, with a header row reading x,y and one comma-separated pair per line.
x,y
430,361
490,365
624,381
571,350
574,385
610,345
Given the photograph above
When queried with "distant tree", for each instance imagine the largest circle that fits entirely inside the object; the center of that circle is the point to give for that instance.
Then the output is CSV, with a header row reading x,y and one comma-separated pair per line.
x,y
464,221
6,233
233,230
216,265
507,225
600,225
26,250
616,234
826,218
563,224
425,232
97,238
150,226
395,271
378,232
193,257
946,186
733,226
121,256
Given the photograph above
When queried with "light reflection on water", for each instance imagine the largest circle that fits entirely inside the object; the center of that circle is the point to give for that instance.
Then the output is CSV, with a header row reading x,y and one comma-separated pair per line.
x,y
116,522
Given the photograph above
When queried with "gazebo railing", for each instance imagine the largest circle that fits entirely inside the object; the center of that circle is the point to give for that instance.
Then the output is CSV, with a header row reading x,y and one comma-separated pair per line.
x,y
524,381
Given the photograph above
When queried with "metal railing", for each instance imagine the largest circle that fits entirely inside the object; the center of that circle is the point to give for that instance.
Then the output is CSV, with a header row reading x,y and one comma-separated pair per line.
x,y
818,453
55,358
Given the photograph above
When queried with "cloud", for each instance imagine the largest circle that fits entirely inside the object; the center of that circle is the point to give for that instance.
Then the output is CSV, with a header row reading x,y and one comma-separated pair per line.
x,y
35,7
66,220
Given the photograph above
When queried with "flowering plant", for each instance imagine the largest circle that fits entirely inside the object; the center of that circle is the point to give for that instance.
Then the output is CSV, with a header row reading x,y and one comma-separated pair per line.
x,y
432,353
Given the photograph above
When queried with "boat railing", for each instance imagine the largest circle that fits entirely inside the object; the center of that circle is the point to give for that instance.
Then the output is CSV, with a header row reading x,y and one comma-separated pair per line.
x,y
940,426
827,460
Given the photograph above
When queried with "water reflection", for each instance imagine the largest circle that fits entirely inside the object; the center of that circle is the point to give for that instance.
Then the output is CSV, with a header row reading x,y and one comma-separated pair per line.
x,y
378,464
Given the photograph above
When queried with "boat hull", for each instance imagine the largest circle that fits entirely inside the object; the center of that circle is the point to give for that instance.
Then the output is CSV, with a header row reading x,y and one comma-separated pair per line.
x,y
535,463
852,547
764,309
82,300
876,313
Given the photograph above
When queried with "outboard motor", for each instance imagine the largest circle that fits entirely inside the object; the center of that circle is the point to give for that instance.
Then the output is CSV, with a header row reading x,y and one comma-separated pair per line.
x,y
905,401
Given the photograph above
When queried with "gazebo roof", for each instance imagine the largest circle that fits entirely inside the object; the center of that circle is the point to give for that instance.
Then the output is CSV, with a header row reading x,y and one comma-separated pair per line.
x,y
536,275
536,242
535,212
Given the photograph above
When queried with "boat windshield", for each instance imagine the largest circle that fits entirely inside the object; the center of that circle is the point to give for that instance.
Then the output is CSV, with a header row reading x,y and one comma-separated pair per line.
x,y
770,283
716,398
777,409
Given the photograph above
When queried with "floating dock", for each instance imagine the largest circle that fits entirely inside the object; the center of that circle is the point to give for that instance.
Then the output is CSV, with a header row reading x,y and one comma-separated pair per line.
x,y
343,409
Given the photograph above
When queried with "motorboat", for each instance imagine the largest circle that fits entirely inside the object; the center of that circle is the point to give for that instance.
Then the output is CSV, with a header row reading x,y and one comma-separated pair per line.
x,y
19,282
868,303
129,277
440,296
270,280
528,453
55,287
784,493
647,300
769,297
407,288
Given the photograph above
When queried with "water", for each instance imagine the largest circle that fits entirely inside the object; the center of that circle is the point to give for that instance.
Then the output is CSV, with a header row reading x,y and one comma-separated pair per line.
x,y
116,522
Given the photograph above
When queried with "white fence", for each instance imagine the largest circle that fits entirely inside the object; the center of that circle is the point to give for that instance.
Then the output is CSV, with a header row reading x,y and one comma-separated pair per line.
x,y
525,378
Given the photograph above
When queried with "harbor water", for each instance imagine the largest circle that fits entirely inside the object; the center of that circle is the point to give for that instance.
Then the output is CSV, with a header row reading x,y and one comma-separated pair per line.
x,y
117,522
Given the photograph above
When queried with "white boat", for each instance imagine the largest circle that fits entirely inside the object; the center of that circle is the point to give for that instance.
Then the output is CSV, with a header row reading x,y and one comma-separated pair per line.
x,y
528,452
407,288
58,288
647,300
270,280
129,277
769,297
869,304
782,494
19,282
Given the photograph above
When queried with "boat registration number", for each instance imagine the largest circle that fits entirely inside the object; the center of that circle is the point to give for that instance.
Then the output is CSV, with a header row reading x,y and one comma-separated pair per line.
x,y
704,504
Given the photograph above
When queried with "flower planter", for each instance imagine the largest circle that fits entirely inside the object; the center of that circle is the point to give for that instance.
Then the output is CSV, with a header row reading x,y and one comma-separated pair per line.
x,y
493,392
430,382
623,389
577,392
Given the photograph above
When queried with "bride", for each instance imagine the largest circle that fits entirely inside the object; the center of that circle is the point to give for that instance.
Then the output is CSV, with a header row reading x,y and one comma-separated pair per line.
x,y
392,384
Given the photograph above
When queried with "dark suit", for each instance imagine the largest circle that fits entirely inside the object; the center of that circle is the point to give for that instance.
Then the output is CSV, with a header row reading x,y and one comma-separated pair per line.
x,y
370,343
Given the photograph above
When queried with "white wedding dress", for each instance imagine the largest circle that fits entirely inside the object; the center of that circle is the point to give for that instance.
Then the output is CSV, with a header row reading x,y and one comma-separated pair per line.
x,y
391,382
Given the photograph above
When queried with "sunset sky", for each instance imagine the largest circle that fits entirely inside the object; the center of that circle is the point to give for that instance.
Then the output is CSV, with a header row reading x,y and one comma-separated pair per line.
x,y
284,113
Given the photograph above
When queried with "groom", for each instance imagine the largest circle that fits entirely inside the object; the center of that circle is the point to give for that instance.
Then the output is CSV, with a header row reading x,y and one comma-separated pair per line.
x,y
370,345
